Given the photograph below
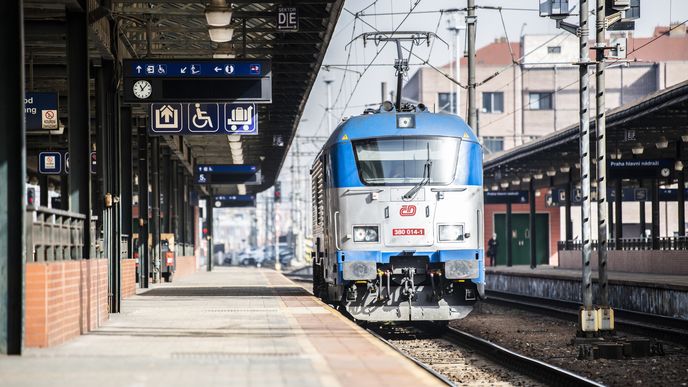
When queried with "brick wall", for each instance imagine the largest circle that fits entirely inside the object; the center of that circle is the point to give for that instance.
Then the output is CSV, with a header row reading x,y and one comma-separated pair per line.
x,y
185,266
64,299
540,208
128,277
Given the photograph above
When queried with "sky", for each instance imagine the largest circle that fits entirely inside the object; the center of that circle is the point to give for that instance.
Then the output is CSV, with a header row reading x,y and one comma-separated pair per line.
x,y
351,91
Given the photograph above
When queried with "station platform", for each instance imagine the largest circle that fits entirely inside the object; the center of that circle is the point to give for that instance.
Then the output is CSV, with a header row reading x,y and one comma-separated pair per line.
x,y
660,294
229,327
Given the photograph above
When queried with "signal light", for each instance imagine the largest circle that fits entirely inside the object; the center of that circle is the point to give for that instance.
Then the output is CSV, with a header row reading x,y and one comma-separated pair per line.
x,y
31,196
278,191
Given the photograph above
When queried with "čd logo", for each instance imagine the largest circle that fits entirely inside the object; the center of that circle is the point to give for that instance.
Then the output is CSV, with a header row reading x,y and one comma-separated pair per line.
x,y
407,210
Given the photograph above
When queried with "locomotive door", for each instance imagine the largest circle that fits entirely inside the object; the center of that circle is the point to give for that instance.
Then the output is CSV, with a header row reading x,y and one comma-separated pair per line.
x,y
521,239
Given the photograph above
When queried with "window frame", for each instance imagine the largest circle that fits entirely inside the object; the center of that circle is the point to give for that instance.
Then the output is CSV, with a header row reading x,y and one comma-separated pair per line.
x,y
539,100
492,95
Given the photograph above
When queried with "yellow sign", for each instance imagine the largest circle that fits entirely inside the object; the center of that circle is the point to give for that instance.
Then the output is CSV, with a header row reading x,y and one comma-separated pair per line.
x,y
345,137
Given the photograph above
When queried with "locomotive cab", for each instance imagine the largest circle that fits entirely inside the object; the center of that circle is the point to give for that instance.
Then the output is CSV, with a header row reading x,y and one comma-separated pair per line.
x,y
397,215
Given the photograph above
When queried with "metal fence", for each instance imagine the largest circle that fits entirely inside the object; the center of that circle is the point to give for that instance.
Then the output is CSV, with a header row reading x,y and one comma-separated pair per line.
x,y
666,243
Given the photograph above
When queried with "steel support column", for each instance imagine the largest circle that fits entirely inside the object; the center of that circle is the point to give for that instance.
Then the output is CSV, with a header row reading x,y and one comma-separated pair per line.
x,y
181,219
568,227
126,176
681,178
155,223
43,183
641,214
166,183
209,222
79,121
508,234
12,177
144,221
618,221
532,226
64,192
655,214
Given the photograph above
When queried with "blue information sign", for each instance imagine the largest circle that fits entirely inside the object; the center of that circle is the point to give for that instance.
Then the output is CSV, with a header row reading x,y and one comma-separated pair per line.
x,y
503,197
224,201
196,68
40,111
50,163
227,174
203,118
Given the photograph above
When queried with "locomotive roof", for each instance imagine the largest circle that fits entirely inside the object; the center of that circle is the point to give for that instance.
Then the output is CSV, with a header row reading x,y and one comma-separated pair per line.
x,y
384,124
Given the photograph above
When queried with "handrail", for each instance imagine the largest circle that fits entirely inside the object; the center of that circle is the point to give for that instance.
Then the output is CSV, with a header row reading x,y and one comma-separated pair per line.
x,y
53,234
336,232
664,243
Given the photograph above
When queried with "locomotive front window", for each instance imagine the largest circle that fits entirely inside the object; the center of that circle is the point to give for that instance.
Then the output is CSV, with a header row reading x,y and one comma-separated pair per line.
x,y
407,160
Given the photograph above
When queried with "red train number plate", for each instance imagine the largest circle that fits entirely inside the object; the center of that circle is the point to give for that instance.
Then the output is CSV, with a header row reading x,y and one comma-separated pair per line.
x,y
408,231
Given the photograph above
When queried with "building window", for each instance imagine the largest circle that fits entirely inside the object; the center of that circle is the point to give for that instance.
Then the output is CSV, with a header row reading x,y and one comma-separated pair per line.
x,y
444,102
493,102
493,144
554,50
540,101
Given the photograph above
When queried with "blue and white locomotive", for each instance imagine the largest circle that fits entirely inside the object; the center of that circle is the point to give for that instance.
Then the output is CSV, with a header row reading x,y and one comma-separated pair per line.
x,y
398,216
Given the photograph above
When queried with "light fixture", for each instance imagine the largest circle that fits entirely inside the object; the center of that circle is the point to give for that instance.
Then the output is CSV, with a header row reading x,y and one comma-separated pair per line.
x,y
638,149
538,175
565,168
241,188
504,184
662,143
593,183
218,14
218,55
678,165
494,187
221,34
577,165
516,181
235,145
233,137
684,137
551,172
237,152
485,189
525,179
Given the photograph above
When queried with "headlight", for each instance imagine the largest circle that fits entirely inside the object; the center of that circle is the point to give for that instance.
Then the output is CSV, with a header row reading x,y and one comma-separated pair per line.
x,y
461,269
451,233
359,270
366,234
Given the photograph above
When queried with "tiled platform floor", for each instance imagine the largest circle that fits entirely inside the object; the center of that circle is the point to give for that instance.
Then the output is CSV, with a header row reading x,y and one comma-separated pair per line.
x,y
231,327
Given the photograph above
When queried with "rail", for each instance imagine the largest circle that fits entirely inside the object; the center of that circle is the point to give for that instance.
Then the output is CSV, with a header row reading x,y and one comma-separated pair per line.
x,y
665,243
55,235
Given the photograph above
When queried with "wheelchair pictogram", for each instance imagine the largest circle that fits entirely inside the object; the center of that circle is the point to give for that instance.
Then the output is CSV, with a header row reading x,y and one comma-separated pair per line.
x,y
203,117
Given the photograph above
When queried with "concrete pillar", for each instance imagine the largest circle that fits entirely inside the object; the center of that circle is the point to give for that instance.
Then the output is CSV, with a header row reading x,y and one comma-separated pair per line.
x,y
79,132
12,177
568,227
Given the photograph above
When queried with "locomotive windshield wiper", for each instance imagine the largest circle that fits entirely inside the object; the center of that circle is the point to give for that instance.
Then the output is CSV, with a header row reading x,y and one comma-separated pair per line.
x,y
424,181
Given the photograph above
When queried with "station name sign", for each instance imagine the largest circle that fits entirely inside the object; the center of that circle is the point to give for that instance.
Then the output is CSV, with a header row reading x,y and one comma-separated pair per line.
x,y
229,201
197,80
638,169
504,197
227,174
40,111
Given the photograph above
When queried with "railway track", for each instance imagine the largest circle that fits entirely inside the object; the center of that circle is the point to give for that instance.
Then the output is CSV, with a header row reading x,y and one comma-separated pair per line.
x,y
535,369
522,365
659,327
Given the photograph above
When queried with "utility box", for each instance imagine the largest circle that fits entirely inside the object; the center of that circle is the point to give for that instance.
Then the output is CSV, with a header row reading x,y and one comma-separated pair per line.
x,y
619,50
555,9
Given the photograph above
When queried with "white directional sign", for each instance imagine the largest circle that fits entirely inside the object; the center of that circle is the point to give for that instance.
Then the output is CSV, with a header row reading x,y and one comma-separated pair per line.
x,y
287,19
204,118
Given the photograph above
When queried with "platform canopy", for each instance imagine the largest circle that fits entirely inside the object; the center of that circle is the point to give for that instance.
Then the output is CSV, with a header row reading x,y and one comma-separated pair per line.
x,y
657,123
164,29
